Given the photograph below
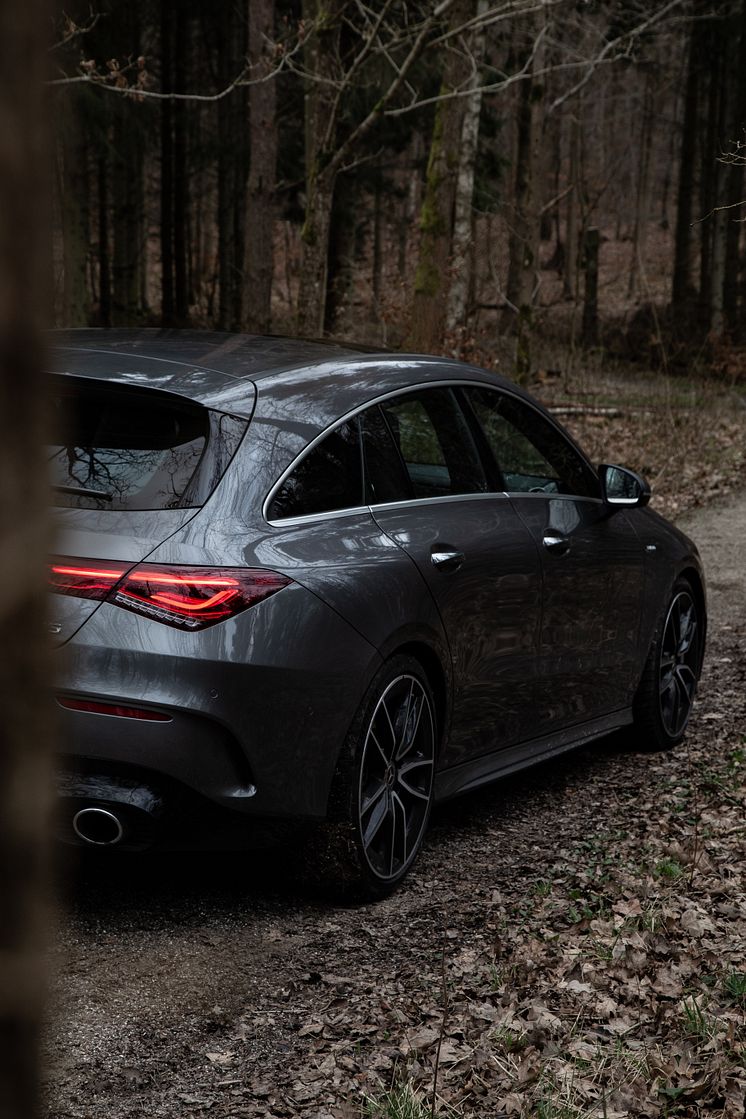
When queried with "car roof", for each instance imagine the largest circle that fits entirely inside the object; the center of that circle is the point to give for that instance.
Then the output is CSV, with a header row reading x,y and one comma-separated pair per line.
x,y
221,370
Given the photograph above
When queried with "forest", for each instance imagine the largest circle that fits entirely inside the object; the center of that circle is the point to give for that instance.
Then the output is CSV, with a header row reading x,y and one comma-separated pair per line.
x,y
467,176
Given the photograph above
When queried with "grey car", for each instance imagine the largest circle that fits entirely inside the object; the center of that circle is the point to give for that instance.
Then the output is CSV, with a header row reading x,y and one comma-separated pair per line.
x,y
300,582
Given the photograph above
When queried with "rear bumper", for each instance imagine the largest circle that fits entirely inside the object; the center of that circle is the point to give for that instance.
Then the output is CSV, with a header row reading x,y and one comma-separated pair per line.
x,y
256,709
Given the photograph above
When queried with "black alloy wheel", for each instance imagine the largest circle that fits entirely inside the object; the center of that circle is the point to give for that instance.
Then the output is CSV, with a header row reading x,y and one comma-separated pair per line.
x,y
669,682
396,777
382,792
679,663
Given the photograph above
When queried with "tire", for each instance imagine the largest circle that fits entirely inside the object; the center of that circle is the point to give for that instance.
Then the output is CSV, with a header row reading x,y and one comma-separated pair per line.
x,y
668,686
382,791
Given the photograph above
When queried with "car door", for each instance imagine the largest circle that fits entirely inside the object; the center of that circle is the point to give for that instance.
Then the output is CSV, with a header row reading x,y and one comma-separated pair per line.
x,y
592,562
429,492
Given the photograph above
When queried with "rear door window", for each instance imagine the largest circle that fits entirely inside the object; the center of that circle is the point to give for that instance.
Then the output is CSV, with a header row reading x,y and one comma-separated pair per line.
x,y
435,443
114,448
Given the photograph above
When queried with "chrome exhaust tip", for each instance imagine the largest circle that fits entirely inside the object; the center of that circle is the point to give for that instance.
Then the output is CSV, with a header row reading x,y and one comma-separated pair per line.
x,y
98,827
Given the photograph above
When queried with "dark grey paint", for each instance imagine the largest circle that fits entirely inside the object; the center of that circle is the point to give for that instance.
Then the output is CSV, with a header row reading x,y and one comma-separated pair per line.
x,y
261,704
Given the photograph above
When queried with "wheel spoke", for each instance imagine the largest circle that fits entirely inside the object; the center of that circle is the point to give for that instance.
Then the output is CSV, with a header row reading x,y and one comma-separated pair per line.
x,y
400,832
409,767
666,681
408,741
372,798
390,725
376,820
688,631
379,747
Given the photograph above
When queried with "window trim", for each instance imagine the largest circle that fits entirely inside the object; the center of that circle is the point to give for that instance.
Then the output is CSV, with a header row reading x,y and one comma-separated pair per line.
x,y
445,383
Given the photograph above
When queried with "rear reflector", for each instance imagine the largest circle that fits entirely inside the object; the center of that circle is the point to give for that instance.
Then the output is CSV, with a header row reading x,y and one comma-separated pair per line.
x,y
113,709
185,597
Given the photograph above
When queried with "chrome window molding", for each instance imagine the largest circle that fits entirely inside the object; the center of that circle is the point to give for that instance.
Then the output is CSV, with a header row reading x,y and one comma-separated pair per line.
x,y
360,408
415,502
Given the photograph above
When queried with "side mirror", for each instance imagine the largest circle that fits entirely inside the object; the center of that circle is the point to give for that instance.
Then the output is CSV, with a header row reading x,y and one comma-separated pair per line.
x,y
623,488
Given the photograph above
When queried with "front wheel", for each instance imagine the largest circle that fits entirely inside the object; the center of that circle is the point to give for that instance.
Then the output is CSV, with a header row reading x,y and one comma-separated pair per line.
x,y
383,789
669,682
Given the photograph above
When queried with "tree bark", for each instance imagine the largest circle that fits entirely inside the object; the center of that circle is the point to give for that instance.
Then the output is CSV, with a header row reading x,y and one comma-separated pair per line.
x,y
104,261
525,218
25,771
572,237
323,64
74,210
167,167
261,205
682,264
642,193
181,239
461,245
432,280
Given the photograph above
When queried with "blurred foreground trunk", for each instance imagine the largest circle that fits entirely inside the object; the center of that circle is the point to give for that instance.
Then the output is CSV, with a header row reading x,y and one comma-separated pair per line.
x,y
24,765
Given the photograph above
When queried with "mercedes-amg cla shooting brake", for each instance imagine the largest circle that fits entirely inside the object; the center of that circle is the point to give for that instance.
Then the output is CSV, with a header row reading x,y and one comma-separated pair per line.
x,y
303,582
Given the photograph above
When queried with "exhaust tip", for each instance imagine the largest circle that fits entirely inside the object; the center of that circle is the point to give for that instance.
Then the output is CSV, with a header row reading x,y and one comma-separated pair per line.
x,y
98,827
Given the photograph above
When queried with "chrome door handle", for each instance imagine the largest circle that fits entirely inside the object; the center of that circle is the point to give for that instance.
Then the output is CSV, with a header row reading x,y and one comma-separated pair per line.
x,y
447,561
557,544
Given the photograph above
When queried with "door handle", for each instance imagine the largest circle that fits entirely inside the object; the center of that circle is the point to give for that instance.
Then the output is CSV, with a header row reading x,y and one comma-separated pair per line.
x,y
559,545
447,561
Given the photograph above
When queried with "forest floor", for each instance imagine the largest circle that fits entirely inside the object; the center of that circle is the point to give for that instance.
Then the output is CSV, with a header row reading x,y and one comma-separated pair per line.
x,y
571,943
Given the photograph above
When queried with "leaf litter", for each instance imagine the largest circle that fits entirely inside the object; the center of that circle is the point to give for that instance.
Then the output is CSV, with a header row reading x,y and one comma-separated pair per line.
x,y
589,918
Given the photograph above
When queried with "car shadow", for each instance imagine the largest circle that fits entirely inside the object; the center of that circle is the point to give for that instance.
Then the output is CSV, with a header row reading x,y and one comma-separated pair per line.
x,y
143,887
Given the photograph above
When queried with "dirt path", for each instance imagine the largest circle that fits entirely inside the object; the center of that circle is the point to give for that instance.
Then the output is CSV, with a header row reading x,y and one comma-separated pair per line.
x,y
191,987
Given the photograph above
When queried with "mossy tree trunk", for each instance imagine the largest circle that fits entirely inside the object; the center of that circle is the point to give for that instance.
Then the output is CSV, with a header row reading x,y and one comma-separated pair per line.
x,y
433,277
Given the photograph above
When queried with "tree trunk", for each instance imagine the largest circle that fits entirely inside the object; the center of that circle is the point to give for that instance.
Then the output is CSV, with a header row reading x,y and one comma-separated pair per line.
x,y
709,152
682,265
74,210
25,770
734,178
461,244
261,206
432,280
642,193
104,261
167,167
572,237
180,166
525,218
323,64
127,208
590,302
314,266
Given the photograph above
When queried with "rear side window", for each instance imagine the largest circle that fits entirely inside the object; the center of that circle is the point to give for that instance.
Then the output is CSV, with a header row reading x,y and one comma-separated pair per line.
x,y
328,478
114,448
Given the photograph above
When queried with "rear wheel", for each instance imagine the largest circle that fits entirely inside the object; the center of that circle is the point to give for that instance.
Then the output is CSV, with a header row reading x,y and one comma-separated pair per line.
x,y
383,789
669,683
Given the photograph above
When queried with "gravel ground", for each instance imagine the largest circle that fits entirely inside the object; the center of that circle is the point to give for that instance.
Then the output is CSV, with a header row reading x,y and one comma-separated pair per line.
x,y
186,986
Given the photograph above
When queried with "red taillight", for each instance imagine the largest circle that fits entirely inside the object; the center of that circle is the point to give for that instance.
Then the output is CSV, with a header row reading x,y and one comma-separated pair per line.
x,y
85,578
97,708
185,597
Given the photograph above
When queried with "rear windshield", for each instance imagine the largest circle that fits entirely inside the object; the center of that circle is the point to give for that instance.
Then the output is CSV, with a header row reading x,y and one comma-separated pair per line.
x,y
111,447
